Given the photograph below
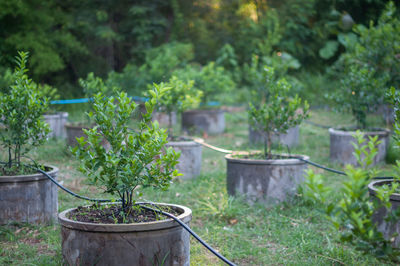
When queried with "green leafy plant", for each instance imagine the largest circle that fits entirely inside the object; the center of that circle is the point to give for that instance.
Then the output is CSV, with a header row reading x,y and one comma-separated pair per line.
x,y
21,110
135,159
370,65
179,96
360,93
277,113
93,85
212,80
352,213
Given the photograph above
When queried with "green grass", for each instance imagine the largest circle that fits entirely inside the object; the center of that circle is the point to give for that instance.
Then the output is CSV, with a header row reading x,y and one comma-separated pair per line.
x,y
291,233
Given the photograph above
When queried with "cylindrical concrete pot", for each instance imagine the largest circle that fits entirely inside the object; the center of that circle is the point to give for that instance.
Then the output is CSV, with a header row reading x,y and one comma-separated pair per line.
x,y
57,123
29,198
268,181
162,242
190,160
341,148
74,132
388,229
291,138
163,118
211,121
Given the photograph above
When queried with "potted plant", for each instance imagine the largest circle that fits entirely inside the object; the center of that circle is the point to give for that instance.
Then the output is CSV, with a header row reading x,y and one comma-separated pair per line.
x,y
180,96
91,85
359,93
26,196
388,191
212,81
54,118
265,176
358,208
258,79
123,233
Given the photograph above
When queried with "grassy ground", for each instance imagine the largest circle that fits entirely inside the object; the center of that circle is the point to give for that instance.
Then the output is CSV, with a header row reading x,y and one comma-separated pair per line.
x,y
291,233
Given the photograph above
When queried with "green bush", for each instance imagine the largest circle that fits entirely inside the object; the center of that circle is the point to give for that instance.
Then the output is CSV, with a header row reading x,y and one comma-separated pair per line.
x,y
277,112
178,97
212,80
21,110
352,213
135,159
359,93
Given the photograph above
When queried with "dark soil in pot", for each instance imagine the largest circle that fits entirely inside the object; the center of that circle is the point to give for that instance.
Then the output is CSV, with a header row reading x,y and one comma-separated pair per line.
x,y
29,198
210,121
388,229
268,181
160,242
341,148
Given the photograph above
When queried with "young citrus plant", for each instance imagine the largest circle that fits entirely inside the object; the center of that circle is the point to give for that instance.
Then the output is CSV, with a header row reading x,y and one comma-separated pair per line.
x,y
179,96
277,113
21,110
135,159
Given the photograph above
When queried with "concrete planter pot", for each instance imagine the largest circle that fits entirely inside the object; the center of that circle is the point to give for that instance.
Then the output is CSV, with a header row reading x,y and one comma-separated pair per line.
x,y
386,228
291,138
163,118
148,243
211,121
57,123
341,148
190,161
268,181
74,132
29,198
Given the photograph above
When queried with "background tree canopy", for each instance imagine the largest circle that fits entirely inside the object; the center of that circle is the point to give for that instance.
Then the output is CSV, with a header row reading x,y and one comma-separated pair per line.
x,y
68,39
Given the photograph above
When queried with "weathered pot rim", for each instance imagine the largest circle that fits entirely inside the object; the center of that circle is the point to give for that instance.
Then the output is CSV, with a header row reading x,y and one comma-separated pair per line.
x,y
28,178
379,132
56,114
290,161
185,217
372,188
201,111
188,143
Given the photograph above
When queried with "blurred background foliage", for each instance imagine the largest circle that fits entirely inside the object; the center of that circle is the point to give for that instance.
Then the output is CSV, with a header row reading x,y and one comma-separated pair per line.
x,y
133,43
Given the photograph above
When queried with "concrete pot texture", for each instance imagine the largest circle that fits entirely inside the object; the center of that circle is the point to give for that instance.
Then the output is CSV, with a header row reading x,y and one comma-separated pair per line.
x,y
386,228
341,148
149,243
210,121
163,119
291,138
74,132
29,198
57,123
190,160
267,181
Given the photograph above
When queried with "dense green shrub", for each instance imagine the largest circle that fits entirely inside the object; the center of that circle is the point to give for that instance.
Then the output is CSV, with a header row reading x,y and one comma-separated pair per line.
x,y
21,110
135,159
359,93
277,112
158,66
212,80
376,49
178,96
352,214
